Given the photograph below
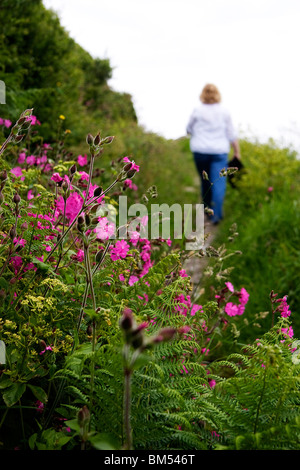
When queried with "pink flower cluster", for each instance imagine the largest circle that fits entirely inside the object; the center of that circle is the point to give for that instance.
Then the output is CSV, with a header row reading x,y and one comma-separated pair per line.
x,y
233,309
40,161
184,305
82,160
74,202
129,184
283,308
5,122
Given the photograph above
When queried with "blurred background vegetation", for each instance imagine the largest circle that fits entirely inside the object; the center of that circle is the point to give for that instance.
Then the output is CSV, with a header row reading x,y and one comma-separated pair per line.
x,y
45,69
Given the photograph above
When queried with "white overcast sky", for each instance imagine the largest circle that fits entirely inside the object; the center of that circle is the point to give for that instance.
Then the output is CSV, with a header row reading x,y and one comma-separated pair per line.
x,y
164,51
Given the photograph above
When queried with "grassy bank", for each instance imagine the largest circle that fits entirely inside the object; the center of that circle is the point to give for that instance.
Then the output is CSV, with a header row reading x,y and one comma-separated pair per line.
x,y
265,208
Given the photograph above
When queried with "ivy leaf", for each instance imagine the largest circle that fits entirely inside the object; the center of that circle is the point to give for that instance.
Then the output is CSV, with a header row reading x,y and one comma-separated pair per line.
x,y
13,393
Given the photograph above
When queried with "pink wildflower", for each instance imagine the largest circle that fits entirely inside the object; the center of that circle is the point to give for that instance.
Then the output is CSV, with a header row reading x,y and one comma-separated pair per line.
x,y
30,194
134,166
80,256
20,241
31,160
17,171
56,178
119,250
84,176
7,123
39,406
132,280
244,296
33,119
205,351
229,286
22,157
134,237
288,331
129,184
82,160
104,229
182,273
74,204
231,309
195,309
284,308
47,348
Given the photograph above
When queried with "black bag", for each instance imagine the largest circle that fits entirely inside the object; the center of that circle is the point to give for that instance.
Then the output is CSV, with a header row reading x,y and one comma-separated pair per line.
x,y
236,163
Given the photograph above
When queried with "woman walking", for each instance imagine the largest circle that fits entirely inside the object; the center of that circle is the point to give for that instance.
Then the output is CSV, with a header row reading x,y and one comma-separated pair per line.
x,y
212,135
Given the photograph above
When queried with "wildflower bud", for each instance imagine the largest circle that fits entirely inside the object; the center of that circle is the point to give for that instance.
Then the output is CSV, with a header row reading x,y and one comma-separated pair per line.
x,y
97,139
24,226
27,112
205,175
165,334
94,221
89,139
16,198
131,173
98,191
18,138
15,130
89,330
81,223
128,166
3,175
73,169
21,120
12,233
107,140
87,220
80,219
126,322
83,416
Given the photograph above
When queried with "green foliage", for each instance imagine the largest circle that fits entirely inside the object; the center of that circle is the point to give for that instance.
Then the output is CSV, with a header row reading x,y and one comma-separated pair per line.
x,y
213,385
262,222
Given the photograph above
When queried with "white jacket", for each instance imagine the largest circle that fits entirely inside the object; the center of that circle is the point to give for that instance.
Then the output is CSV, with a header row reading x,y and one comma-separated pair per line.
x,y
211,129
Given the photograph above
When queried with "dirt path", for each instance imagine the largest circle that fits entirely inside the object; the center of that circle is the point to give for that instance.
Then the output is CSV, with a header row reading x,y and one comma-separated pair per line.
x,y
195,266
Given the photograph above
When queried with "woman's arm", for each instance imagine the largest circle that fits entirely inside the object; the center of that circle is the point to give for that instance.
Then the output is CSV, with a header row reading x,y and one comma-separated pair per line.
x,y
236,149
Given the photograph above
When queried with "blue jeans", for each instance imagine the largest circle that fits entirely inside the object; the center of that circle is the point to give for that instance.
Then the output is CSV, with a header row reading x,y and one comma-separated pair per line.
x,y
212,191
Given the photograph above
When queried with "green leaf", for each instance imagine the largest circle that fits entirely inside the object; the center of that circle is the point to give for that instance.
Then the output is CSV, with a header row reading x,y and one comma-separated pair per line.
x,y
103,442
39,393
32,441
13,394
5,382
73,424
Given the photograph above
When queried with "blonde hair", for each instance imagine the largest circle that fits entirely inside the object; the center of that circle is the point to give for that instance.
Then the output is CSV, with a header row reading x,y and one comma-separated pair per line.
x,y
210,94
